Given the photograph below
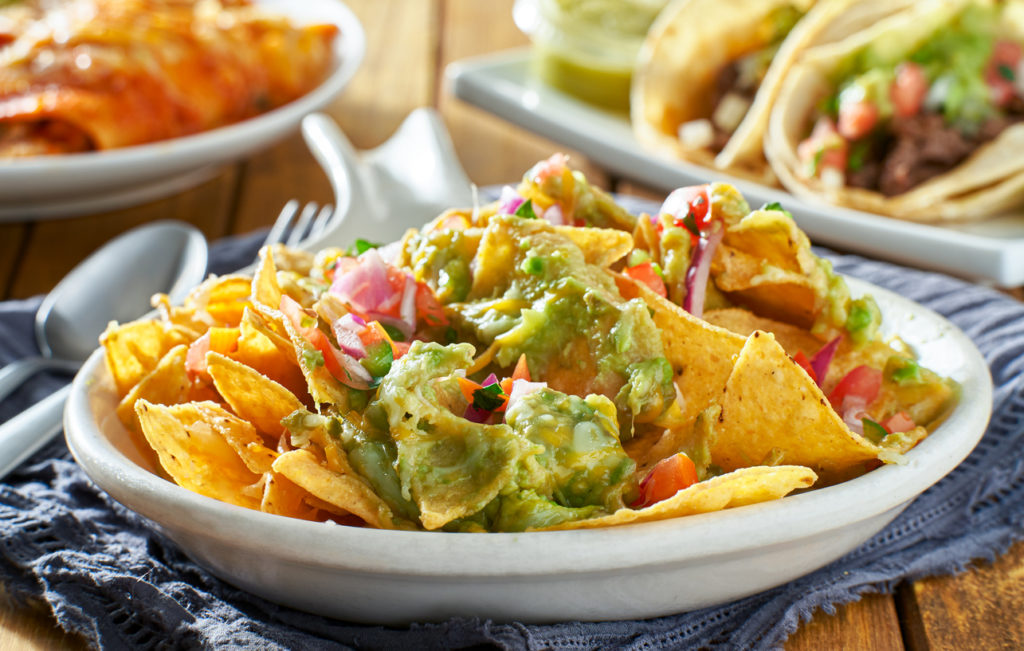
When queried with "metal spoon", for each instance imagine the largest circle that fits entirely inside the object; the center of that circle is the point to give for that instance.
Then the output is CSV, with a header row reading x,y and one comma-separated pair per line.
x,y
115,283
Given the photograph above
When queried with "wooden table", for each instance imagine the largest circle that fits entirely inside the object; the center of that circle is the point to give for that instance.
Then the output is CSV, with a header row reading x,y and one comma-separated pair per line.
x,y
409,44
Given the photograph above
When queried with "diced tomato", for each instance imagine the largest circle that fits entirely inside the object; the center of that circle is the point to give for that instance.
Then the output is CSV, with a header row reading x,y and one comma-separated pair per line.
x,y
857,119
823,148
555,165
314,335
1001,71
805,364
692,201
216,339
428,307
521,372
908,89
899,422
195,358
666,478
644,273
862,384
374,333
522,369
467,387
400,348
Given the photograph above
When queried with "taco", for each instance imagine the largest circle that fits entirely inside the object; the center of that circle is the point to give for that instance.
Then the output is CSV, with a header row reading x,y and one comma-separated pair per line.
x,y
918,117
708,72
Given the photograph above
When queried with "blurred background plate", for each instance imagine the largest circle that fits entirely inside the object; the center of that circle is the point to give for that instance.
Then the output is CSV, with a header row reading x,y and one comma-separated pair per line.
x,y
991,250
76,184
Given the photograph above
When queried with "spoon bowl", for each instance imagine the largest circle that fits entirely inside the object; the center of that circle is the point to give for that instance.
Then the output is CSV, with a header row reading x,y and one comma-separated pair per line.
x,y
116,282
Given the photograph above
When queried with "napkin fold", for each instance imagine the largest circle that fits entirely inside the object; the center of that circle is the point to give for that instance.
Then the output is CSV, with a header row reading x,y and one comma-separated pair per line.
x,y
108,576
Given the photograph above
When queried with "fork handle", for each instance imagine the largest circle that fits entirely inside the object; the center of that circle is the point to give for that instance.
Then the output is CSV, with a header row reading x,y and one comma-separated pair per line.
x,y
30,430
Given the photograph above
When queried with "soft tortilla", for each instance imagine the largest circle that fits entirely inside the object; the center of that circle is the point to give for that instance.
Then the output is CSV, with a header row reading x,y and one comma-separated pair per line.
x,y
693,39
988,182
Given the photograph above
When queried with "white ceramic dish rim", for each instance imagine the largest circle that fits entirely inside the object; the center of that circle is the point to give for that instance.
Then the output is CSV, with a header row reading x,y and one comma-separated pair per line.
x,y
156,162
474,556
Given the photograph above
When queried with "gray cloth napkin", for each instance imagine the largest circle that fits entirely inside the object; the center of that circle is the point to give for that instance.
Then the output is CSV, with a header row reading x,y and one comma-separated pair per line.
x,y
108,576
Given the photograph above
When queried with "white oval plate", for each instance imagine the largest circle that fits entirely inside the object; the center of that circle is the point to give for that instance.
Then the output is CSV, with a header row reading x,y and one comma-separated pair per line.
x,y
633,571
75,184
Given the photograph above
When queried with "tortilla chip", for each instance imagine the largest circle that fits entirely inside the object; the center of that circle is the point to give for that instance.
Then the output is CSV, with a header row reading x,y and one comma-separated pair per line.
x,y
252,395
220,300
771,409
600,246
189,440
744,322
738,488
282,496
343,489
134,349
167,384
265,350
701,354
265,288
321,385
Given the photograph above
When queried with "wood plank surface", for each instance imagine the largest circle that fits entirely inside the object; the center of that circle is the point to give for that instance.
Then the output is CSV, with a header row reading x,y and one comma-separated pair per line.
x,y
409,44
982,608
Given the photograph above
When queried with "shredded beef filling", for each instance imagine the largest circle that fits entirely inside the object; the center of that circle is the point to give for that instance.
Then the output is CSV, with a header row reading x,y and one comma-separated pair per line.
x,y
919,148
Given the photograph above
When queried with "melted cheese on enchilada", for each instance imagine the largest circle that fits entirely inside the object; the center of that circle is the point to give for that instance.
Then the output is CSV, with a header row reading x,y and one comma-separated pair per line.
x,y
81,75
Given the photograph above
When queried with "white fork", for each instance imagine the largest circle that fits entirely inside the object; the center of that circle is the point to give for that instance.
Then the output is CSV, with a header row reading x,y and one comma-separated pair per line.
x,y
294,227
379,193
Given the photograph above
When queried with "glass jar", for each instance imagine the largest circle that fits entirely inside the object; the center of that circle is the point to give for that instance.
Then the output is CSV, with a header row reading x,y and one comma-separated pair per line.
x,y
587,48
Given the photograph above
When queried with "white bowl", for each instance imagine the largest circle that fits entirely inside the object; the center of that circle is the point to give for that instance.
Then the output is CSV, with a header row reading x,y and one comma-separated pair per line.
x,y
628,572
75,184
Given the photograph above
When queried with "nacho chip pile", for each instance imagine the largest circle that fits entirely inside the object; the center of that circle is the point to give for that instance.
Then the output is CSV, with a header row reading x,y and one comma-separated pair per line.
x,y
547,361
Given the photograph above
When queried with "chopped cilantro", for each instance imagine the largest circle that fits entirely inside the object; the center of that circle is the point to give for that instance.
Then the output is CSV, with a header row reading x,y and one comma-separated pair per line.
x,y
775,205
525,210
1006,72
858,154
690,222
489,397
361,246
816,161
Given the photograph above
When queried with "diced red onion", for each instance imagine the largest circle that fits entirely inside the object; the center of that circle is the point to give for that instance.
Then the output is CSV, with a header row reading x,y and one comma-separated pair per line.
x,y
522,388
489,380
823,358
554,215
476,415
357,376
365,286
346,331
408,307
700,269
853,411
509,201
389,252
677,203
